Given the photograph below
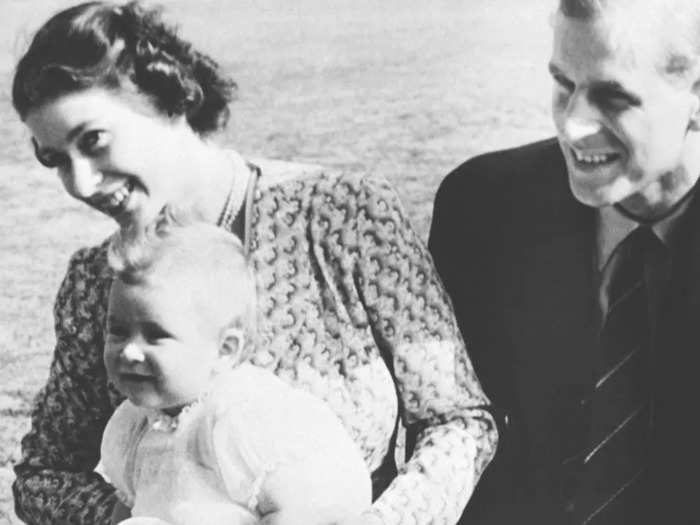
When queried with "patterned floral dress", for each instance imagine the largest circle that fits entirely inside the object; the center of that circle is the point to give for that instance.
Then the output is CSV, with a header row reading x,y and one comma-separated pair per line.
x,y
351,309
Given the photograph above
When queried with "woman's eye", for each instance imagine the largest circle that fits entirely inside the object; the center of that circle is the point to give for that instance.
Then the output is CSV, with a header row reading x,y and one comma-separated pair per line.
x,y
49,158
52,160
93,141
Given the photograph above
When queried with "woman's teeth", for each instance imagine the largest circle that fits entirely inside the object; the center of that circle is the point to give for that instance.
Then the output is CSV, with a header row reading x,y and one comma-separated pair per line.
x,y
116,202
118,197
594,158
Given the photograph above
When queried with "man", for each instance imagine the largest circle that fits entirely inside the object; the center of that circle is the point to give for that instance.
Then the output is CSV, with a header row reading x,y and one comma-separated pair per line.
x,y
594,382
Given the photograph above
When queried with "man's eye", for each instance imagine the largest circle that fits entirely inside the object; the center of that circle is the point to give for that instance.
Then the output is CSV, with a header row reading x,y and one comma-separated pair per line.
x,y
615,99
563,82
93,141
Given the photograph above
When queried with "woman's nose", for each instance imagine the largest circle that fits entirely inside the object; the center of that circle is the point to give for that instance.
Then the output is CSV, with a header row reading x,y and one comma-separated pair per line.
x,y
81,177
132,353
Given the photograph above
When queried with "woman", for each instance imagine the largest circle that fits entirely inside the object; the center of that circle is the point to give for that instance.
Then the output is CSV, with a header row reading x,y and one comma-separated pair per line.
x,y
350,307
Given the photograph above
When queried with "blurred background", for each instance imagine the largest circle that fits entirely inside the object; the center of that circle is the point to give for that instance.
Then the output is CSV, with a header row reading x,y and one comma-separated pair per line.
x,y
405,89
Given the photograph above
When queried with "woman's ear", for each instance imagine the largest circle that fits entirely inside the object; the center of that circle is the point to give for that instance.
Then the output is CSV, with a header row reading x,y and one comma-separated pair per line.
x,y
232,343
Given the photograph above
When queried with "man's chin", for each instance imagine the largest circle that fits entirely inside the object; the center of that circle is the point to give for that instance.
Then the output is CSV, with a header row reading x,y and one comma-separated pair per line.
x,y
596,195
590,196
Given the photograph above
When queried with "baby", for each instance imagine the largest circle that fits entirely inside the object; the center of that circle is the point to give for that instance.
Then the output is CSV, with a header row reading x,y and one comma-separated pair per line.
x,y
204,437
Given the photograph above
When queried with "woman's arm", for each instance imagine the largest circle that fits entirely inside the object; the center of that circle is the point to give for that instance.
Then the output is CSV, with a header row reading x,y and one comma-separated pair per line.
x,y
442,400
55,479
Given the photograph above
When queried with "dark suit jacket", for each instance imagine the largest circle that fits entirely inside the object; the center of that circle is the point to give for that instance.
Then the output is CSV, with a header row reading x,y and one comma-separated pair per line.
x,y
515,250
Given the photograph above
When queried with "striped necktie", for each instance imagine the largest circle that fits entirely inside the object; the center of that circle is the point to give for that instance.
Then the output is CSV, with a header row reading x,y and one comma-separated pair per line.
x,y
614,464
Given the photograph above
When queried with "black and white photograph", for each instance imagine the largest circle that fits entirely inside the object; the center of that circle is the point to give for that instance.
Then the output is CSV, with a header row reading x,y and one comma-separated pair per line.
x,y
349,262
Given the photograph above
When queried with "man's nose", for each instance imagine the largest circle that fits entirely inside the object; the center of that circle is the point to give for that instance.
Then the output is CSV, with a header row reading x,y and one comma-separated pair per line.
x,y
581,119
81,177
132,353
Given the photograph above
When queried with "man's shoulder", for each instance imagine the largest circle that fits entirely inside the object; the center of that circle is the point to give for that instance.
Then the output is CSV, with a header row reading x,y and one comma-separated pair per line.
x,y
537,159
506,187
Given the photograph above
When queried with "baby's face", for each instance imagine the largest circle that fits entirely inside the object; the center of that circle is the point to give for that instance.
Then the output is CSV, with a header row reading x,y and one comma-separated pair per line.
x,y
159,350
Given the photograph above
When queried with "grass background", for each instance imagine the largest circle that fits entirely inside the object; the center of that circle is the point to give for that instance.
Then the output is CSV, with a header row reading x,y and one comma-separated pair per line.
x,y
407,89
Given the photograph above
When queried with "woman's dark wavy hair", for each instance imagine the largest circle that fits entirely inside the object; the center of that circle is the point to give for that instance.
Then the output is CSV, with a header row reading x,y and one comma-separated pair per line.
x,y
102,44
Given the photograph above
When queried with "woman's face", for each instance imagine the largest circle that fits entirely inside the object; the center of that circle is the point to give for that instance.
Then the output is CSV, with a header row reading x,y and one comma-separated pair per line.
x,y
114,151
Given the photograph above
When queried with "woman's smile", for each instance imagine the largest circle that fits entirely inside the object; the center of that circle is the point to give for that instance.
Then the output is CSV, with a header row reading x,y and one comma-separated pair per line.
x,y
114,202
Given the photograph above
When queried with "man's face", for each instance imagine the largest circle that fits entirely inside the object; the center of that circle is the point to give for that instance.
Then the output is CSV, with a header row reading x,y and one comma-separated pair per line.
x,y
621,122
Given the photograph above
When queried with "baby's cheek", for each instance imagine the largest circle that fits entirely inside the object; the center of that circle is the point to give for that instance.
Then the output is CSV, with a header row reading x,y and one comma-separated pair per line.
x,y
110,362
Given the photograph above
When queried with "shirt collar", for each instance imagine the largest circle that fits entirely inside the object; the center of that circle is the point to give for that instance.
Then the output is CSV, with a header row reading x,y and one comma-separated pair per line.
x,y
612,227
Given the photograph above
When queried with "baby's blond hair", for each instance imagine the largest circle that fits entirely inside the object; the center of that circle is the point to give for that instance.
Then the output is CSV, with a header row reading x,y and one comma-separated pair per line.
x,y
178,247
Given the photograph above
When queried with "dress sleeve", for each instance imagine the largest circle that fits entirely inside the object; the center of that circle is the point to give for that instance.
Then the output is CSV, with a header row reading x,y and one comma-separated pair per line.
x,y
55,481
416,331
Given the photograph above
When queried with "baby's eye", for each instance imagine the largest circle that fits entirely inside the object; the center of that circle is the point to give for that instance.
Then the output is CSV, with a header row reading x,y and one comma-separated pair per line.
x,y
92,141
153,333
116,331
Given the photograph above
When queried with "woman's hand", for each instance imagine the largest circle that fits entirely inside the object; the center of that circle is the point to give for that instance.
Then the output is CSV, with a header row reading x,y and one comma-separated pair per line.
x,y
120,512
122,515
142,520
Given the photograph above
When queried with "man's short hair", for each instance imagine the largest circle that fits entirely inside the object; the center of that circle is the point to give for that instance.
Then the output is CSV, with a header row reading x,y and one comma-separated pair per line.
x,y
680,17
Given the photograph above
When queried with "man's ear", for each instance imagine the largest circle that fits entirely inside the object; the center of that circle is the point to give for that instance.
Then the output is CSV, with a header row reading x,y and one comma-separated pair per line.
x,y
694,122
232,342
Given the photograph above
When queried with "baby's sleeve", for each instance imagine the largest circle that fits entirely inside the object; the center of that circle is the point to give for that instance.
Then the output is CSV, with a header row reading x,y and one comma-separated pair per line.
x,y
239,440
283,450
325,485
119,441
229,453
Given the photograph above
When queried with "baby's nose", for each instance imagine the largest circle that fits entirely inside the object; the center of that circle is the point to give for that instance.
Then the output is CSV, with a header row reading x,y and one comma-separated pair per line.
x,y
133,353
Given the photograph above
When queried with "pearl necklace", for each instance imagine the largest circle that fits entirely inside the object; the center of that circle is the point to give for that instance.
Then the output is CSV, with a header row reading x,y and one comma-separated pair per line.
x,y
236,195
